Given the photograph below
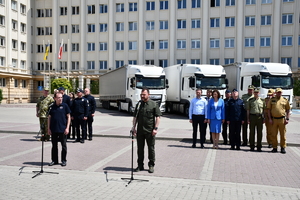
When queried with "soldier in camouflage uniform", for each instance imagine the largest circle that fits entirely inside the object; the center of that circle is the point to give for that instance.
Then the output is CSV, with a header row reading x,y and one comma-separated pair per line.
x,y
42,108
245,98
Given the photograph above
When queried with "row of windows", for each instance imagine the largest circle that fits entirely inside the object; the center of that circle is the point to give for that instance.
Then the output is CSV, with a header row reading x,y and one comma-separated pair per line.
x,y
14,44
14,63
16,82
14,6
14,24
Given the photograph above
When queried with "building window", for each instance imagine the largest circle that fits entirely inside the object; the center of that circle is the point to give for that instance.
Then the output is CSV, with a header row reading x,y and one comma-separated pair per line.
x,y
214,22
250,21
214,43
119,26
91,9
230,3
103,46
65,47
163,25
16,83
181,61
1,62
14,25
264,60
214,61
48,12
48,30
298,61
163,63
164,5
120,7
14,5
14,44
287,18
119,46
40,48
119,63
132,62
2,41
181,24
23,64
63,10
265,41
63,29
14,63
132,45
23,9
196,4
266,20
229,61
63,65
132,26
40,12
229,42
23,46
102,64
288,0
91,46
266,1
103,27
299,40
75,47
75,10
195,23
287,40
40,30
286,60
23,28
149,62
75,28
40,66
23,83
48,66
103,8
150,25
90,65
91,28
2,82
181,4
249,60
250,2
2,20
214,3
195,61
75,65
2,2
249,42
229,21
163,44
150,5
181,44
195,43
132,7
149,44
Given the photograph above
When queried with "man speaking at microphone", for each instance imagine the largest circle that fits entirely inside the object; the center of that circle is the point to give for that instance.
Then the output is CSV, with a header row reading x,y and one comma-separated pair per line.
x,y
147,117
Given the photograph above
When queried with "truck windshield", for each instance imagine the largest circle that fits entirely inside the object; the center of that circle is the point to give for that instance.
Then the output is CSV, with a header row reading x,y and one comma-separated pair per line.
x,y
210,82
284,82
150,83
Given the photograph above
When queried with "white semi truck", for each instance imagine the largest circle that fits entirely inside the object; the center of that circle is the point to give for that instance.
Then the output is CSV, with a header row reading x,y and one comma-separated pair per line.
x,y
183,79
263,75
122,87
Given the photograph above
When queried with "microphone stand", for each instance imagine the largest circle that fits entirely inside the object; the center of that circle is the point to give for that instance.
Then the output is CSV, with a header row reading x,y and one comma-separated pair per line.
x,y
42,162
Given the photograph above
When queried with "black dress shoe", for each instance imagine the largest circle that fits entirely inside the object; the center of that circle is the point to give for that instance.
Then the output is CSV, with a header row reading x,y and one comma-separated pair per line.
x,y
138,169
252,149
244,144
63,163
238,148
259,150
202,146
90,139
282,150
76,141
193,146
231,148
274,150
270,146
82,141
53,163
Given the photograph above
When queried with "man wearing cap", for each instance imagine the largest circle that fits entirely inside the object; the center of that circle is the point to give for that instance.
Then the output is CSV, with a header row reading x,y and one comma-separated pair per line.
x,y
267,123
42,108
235,113
245,98
92,109
79,113
279,113
255,111
225,125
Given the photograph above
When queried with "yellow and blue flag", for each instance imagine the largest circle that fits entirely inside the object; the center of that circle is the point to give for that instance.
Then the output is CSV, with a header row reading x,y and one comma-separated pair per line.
x,y
47,51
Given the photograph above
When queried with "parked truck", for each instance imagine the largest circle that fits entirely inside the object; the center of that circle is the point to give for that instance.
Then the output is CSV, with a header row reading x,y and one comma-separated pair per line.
x,y
263,75
122,87
183,79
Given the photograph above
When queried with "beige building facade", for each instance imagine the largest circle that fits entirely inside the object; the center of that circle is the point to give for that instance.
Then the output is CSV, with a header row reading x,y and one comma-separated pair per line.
x,y
101,35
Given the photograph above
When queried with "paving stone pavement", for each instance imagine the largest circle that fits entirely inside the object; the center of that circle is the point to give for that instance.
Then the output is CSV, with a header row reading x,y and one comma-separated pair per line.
x,y
94,169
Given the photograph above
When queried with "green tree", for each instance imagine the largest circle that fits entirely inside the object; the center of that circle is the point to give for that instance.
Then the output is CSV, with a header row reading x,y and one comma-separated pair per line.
x,y
1,96
94,86
296,87
61,82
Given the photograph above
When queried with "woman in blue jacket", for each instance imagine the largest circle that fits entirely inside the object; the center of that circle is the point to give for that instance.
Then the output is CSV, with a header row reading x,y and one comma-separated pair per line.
x,y
215,116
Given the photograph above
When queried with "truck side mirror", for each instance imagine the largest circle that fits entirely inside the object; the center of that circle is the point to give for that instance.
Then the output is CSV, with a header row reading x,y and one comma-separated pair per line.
x,y
167,83
226,81
132,82
191,82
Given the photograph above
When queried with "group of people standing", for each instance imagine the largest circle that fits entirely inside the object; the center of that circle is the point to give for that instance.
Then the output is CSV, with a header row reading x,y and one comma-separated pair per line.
x,y
62,113
240,113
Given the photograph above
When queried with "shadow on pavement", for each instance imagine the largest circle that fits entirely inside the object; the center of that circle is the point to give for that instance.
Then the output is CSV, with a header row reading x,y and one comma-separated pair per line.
x,y
35,163
120,169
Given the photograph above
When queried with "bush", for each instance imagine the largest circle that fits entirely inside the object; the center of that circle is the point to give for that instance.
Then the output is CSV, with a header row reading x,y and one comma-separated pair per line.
x,y
297,87
1,96
61,82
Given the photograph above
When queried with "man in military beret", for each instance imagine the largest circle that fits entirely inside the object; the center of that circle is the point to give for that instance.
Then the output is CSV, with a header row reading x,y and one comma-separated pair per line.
x,y
279,113
255,116
245,98
42,108
267,123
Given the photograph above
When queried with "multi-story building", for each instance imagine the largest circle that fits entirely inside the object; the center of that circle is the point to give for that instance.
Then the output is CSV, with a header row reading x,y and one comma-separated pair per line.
x,y
100,35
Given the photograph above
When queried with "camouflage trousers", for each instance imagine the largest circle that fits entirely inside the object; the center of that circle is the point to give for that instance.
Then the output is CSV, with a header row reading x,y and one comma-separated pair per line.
x,y
44,129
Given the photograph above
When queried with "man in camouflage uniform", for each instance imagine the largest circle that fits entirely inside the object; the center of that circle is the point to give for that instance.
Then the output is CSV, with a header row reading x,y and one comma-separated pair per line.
x,y
255,111
42,108
245,98
267,123
279,113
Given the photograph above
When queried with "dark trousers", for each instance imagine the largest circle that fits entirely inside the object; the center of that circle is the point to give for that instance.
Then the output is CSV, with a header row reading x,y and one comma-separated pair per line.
x,y
235,133
245,129
256,122
224,132
80,123
141,138
71,130
198,120
89,125
62,138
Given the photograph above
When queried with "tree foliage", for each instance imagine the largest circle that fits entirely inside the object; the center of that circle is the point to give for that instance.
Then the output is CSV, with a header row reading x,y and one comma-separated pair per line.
x,y
61,82
297,87
1,96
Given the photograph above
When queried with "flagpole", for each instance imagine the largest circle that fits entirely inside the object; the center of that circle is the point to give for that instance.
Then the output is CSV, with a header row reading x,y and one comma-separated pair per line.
x,y
44,65
68,63
49,68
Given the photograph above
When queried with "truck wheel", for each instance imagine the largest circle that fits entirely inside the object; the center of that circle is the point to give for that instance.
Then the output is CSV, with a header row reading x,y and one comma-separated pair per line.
x,y
169,108
186,110
130,109
119,107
